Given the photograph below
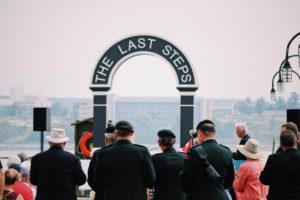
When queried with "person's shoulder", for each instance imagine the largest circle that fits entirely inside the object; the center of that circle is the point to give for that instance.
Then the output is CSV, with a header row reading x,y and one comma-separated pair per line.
x,y
193,148
140,147
225,148
38,155
158,156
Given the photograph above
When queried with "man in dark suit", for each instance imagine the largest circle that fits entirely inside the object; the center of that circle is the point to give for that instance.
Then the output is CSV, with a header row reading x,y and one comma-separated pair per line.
x,y
124,170
109,139
56,172
282,170
241,132
194,178
167,166
292,127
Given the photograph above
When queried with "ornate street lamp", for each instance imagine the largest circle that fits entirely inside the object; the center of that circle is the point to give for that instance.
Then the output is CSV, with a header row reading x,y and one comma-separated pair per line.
x,y
280,81
287,69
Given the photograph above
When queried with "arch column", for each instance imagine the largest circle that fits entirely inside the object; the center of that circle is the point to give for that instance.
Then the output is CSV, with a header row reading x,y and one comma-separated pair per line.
x,y
186,116
99,124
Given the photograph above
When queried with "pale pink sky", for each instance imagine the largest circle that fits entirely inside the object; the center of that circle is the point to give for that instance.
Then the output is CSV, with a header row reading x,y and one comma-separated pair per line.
x,y
235,46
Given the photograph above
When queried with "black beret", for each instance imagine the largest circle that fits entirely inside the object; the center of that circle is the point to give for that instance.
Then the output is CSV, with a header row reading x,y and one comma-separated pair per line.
x,y
206,121
110,127
166,133
124,126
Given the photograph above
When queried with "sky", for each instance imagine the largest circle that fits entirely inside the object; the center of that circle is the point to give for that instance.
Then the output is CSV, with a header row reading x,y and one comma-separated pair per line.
x,y
50,48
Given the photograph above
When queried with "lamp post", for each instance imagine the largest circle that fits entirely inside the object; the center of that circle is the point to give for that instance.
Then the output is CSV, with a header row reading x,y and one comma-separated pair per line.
x,y
287,69
280,81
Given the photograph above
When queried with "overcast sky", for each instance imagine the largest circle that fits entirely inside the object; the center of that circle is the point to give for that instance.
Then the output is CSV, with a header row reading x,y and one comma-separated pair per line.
x,y
235,46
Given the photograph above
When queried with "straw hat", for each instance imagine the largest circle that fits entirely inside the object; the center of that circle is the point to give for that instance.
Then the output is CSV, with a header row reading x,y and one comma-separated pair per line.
x,y
250,149
57,136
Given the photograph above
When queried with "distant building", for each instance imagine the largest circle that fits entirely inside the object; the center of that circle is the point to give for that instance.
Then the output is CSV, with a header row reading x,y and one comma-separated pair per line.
x,y
85,109
275,114
222,110
5,100
148,114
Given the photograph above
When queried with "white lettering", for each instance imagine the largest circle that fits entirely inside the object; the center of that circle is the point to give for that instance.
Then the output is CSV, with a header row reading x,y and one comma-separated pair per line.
x,y
184,69
131,45
102,70
107,62
186,78
151,40
178,61
122,52
141,43
175,53
166,50
99,79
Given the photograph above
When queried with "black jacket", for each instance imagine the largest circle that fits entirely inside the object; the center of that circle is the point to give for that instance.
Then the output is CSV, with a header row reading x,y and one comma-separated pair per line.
x,y
194,179
56,172
124,171
237,155
282,174
167,167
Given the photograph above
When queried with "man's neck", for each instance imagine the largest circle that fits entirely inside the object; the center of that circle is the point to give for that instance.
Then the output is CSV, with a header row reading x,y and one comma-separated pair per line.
x,y
123,138
287,148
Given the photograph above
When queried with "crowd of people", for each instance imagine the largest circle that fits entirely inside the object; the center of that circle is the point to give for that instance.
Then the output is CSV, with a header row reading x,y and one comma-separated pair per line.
x,y
122,170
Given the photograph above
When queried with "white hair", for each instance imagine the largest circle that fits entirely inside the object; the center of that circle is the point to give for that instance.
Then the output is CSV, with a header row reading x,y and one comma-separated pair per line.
x,y
242,126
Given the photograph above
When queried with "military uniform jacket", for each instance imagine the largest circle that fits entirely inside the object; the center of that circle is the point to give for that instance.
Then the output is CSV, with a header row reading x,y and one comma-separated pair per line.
x,y
167,167
282,174
56,172
124,171
194,179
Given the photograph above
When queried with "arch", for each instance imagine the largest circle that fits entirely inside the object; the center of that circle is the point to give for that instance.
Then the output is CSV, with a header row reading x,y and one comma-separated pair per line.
x,y
113,58
107,66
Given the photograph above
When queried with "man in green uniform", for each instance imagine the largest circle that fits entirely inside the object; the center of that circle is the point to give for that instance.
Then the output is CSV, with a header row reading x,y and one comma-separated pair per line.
x,y
195,179
167,166
124,170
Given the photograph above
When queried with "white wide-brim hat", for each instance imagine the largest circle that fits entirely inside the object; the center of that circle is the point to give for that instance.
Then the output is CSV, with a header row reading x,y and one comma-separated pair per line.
x,y
57,136
250,149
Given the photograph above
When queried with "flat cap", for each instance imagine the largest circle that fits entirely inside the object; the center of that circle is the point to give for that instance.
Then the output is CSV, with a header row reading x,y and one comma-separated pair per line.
x,y
166,133
124,126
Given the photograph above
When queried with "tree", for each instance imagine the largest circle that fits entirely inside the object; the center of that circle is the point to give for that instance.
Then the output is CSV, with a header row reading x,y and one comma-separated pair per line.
x,y
260,105
58,109
280,104
293,100
245,106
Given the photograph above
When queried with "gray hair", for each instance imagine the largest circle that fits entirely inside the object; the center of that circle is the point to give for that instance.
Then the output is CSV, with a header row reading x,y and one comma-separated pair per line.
x,y
110,136
242,126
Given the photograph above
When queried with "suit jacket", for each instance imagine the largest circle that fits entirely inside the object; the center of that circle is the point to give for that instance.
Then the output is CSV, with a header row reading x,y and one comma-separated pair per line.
x,y
237,155
91,174
124,171
194,179
56,172
167,167
282,174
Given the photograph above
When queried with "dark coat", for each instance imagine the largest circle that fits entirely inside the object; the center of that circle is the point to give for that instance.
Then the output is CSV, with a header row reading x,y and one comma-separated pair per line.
x,y
91,174
237,155
124,171
167,167
56,172
282,174
194,179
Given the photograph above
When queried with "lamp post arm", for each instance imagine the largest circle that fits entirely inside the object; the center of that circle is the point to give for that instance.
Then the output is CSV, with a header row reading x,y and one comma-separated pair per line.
x,y
288,45
273,79
296,74
282,63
